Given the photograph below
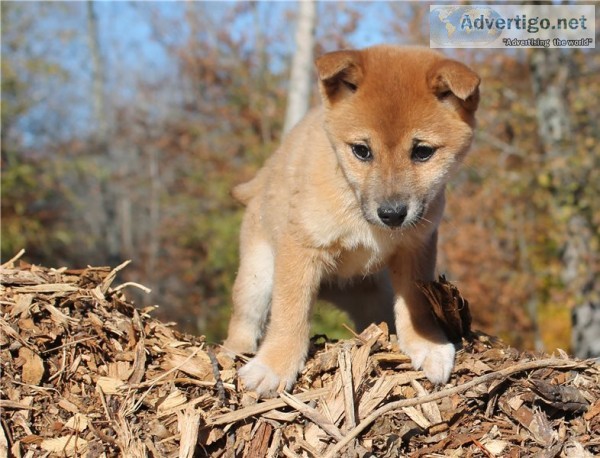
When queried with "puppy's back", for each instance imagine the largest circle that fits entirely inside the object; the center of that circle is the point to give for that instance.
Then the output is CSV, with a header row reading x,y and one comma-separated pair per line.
x,y
283,160
244,192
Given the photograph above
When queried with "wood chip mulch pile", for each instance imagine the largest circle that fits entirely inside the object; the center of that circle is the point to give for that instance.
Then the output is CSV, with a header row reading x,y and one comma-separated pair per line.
x,y
85,373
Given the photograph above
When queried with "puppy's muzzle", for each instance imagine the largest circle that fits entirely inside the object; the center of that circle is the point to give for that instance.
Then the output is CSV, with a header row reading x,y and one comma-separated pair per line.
x,y
392,214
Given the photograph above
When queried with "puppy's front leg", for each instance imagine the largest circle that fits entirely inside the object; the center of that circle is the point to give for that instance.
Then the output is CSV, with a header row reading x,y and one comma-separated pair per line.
x,y
251,293
419,336
283,352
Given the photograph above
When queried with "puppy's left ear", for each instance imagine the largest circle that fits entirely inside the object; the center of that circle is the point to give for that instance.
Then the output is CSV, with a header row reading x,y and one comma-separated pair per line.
x,y
451,77
340,74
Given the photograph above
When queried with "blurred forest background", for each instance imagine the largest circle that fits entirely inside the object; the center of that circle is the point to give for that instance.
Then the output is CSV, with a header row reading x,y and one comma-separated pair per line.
x,y
126,124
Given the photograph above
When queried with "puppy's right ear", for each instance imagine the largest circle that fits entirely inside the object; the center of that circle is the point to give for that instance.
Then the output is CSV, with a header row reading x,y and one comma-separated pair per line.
x,y
340,74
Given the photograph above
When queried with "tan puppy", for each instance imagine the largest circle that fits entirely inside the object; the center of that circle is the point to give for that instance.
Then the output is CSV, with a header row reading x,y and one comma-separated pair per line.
x,y
349,206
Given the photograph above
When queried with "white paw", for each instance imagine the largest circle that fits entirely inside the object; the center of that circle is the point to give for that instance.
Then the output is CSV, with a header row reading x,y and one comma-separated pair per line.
x,y
434,359
259,377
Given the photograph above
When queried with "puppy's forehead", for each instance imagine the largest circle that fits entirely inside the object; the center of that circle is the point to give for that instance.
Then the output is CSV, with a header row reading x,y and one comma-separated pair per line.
x,y
401,62
394,94
398,68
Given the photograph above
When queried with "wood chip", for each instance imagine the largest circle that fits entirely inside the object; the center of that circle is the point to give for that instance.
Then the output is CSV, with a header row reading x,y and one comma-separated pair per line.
x,y
139,364
417,417
22,304
175,399
195,363
345,365
3,442
429,409
376,394
109,385
316,417
264,406
47,288
188,423
259,444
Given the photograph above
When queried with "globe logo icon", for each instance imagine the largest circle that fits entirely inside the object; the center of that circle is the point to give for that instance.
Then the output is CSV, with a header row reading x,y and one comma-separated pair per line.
x,y
462,25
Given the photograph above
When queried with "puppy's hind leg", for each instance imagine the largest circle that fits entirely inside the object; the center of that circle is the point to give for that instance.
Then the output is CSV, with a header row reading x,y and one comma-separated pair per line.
x,y
251,296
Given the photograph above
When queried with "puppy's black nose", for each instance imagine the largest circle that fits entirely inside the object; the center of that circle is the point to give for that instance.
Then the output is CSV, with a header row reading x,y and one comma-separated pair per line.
x,y
392,214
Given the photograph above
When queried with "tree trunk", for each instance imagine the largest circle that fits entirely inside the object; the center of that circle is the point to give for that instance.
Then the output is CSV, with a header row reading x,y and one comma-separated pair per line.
x,y
302,64
117,229
97,74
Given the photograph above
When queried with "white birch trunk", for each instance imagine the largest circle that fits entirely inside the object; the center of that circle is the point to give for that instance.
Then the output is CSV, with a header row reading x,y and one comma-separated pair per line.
x,y
302,64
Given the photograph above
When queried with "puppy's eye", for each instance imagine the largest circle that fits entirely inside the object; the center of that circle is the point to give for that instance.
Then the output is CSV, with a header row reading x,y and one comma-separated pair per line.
x,y
362,152
350,85
422,153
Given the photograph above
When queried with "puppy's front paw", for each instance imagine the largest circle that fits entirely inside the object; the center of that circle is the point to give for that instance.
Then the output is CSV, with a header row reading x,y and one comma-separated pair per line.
x,y
264,380
434,359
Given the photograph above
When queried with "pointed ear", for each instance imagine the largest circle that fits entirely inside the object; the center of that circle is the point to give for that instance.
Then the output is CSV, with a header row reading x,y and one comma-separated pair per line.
x,y
451,77
340,74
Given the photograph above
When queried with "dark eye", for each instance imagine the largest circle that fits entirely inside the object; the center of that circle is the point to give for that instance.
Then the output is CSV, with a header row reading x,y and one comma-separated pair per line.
x,y
362,152
350,85
422,153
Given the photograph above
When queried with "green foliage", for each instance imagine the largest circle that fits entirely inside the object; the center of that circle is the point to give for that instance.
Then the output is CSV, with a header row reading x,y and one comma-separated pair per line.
x,y
31,208
331,321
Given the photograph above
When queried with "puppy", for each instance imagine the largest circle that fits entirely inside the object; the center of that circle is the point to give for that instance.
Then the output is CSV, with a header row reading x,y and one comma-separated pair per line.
x,y
348,207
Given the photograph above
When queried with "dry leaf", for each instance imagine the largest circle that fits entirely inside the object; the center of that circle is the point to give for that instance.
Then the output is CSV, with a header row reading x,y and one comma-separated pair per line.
x,y
567,398
33,367
78,422
65,445
593,411
449,308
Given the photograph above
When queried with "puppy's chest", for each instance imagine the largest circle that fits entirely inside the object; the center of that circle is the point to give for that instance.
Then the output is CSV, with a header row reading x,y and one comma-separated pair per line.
x,y
354,259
